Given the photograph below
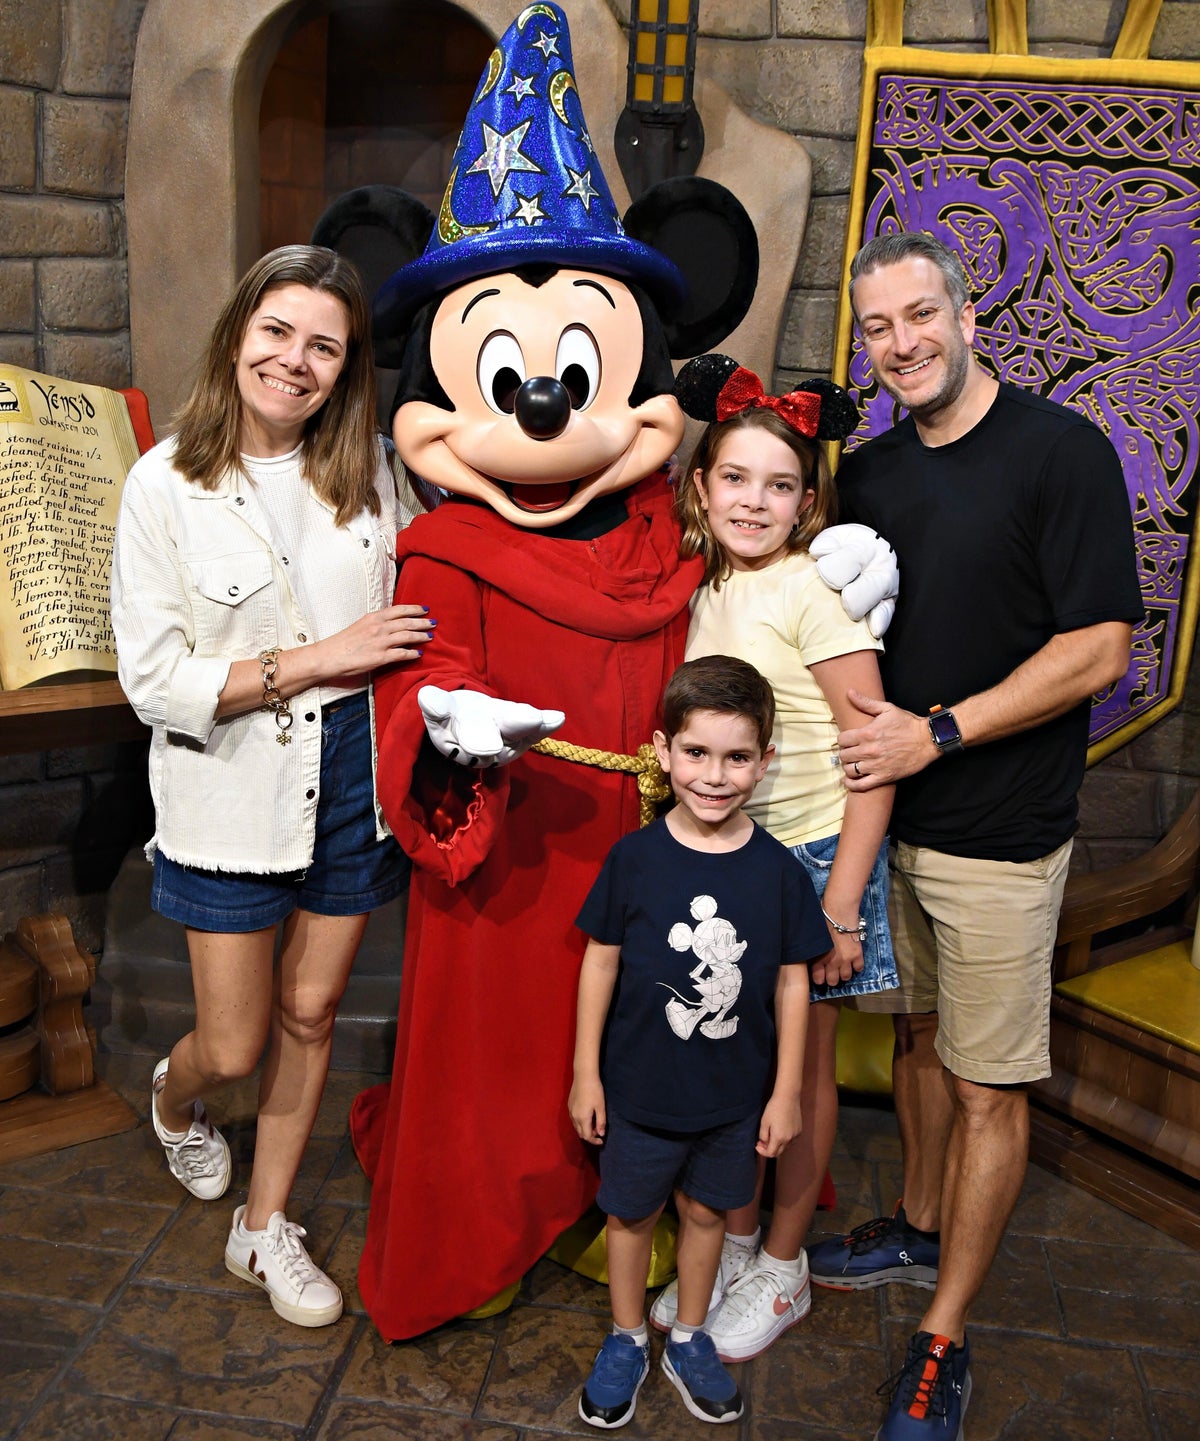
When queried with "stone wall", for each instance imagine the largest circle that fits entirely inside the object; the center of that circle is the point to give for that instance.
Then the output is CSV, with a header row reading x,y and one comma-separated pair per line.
x,y
65,68
65,72
67,817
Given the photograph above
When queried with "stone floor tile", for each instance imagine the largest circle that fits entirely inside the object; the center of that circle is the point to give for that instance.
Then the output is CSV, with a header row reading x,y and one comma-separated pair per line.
x,y
234,1428
192,1252
868,1133
344,1183
63,1273
315,1166
1094,1316
97,1418
25,1371
850,1316
1028,1389
36,1322
341,1087
197,1351
810,1380
357,1421
1170,1372
1168,1275
129,1166
104,1223
549,1284
1051,1206
443,1371
765,1428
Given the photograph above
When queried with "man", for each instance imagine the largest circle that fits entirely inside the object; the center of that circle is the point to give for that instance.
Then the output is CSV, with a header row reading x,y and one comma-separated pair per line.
x,y
1012,528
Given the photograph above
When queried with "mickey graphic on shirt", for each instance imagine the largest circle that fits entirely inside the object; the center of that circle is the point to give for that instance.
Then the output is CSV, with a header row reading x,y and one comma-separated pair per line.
x,y
718,977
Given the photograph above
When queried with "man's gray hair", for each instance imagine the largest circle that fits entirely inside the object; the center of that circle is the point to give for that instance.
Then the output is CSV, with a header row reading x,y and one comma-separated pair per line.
x,y
907,245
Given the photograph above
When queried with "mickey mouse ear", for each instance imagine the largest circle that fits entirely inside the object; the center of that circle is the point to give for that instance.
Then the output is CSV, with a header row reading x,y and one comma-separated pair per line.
x,y
700,382
839,414
706,231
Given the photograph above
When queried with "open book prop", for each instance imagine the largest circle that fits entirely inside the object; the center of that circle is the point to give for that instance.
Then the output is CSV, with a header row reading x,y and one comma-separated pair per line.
x,y
65,450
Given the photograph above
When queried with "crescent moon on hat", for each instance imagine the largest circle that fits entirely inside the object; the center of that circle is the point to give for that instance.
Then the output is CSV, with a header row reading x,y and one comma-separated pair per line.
x,y
530,11
562,82
448,228
494,66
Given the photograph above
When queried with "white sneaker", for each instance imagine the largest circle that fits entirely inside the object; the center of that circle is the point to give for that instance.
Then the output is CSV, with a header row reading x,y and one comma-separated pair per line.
x,y
760,1305
734,1260
199,1160
275,1260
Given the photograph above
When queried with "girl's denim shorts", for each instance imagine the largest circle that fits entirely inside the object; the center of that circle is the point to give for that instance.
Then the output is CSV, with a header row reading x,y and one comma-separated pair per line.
x,y
879,961
351,872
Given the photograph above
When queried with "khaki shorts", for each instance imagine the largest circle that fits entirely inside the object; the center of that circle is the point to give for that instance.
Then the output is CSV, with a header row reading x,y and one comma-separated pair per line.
x,y
974,940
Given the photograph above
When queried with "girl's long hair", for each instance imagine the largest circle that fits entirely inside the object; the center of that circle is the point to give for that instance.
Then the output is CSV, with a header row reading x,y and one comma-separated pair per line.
x,y
698,538
340,442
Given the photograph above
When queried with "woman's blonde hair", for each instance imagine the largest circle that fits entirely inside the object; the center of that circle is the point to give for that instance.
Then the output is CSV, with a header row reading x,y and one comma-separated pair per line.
x,y
340,442
698,538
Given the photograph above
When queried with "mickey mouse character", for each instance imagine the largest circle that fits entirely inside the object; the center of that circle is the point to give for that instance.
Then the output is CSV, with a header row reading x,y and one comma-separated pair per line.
x,y
535,331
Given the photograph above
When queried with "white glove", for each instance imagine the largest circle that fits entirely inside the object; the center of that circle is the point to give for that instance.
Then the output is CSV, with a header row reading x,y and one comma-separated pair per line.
x,y
479,730
862,565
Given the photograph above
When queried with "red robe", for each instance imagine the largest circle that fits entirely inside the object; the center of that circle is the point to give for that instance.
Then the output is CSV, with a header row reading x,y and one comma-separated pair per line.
x,y
475,1164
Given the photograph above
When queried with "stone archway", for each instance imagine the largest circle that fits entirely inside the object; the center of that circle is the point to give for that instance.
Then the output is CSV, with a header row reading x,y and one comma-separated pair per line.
x,y
192,175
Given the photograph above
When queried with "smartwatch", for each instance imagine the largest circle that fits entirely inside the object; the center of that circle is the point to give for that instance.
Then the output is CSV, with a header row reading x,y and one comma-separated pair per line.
x,y
944,730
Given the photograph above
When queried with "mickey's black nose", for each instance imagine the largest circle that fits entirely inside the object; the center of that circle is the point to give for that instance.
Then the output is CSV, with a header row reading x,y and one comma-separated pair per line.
x,y
543,407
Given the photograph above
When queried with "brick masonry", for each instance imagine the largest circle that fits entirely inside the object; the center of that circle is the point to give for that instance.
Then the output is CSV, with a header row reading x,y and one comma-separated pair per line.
x,y
66,69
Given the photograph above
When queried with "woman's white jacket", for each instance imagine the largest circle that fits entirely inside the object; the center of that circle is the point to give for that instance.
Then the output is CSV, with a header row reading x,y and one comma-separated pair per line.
x,y
198,581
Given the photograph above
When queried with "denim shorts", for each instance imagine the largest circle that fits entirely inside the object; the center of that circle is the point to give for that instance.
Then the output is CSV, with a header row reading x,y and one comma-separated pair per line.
x,y
640,1166
879,961
351,872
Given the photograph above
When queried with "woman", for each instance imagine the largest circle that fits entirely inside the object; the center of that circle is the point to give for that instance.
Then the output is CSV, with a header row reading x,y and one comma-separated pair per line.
x,y
252,574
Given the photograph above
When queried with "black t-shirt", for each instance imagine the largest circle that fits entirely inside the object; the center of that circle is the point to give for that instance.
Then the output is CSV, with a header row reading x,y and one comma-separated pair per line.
x,y
1016,531
691,1028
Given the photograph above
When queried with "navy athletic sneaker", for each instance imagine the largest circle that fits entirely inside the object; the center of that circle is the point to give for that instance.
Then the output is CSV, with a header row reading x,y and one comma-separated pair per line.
x,y
611,1390
709,1392
929,1393
883,1250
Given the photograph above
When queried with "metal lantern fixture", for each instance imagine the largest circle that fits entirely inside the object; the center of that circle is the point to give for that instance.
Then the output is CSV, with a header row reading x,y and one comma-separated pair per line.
x,y
659,134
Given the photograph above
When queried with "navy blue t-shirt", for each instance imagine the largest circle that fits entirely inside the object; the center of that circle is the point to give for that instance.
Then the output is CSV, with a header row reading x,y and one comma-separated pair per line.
x,y
691,1028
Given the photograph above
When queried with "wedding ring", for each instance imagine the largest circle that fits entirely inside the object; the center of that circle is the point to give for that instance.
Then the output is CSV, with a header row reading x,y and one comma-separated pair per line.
x,y
857,772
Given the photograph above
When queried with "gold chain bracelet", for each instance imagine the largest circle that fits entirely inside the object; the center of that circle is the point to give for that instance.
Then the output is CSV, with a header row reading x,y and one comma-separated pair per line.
x,y
272,700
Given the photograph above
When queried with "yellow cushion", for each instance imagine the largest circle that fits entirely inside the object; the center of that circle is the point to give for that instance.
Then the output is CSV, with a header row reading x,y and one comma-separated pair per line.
x,y
864,1051
1158,992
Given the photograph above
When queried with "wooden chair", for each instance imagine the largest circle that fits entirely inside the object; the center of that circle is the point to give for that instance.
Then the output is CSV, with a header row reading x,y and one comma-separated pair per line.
x,y
1120,1115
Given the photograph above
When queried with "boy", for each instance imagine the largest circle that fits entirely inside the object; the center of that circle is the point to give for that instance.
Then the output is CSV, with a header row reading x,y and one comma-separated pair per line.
x,y
700,926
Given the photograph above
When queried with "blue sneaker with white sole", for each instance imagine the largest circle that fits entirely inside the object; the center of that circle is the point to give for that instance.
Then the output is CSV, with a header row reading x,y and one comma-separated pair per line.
x,y
611,1390
883,1250
709,1392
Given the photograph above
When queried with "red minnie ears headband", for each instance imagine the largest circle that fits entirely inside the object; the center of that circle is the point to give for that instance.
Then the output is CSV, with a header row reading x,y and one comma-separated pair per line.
x,y
716,387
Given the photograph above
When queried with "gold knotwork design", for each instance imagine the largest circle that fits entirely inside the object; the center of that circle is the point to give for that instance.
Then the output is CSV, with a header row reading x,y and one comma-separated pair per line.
x,y
652,782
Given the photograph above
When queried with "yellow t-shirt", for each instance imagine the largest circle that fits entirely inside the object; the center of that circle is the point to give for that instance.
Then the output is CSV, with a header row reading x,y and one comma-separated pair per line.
x,y
783,620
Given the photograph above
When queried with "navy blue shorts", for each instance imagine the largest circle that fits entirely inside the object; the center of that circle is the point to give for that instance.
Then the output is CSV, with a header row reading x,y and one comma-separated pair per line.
x,y
351,872
640,1166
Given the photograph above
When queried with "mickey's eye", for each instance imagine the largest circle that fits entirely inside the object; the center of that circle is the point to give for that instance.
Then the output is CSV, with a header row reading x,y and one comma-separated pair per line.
x,y
500,371
577,365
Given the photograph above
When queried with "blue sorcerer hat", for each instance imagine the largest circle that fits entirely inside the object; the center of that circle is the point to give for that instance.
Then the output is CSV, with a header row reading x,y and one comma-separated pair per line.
x,y
525,186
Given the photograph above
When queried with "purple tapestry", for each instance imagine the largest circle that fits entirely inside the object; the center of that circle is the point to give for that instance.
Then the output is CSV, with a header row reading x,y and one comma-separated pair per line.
x,y
1076,211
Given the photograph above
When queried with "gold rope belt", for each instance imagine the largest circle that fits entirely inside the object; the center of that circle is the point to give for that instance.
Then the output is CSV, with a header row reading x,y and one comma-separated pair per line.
x,y
652,782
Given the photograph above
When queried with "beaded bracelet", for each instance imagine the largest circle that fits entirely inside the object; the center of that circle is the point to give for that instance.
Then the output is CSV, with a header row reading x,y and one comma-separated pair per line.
x,y
272,700
859,928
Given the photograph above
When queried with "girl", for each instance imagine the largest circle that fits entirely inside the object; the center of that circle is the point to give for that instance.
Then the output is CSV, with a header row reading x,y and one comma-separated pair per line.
x,y
757,491
252,575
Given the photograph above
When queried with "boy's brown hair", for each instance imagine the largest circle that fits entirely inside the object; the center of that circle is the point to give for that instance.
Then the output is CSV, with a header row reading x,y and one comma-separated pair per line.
x,y
723,684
